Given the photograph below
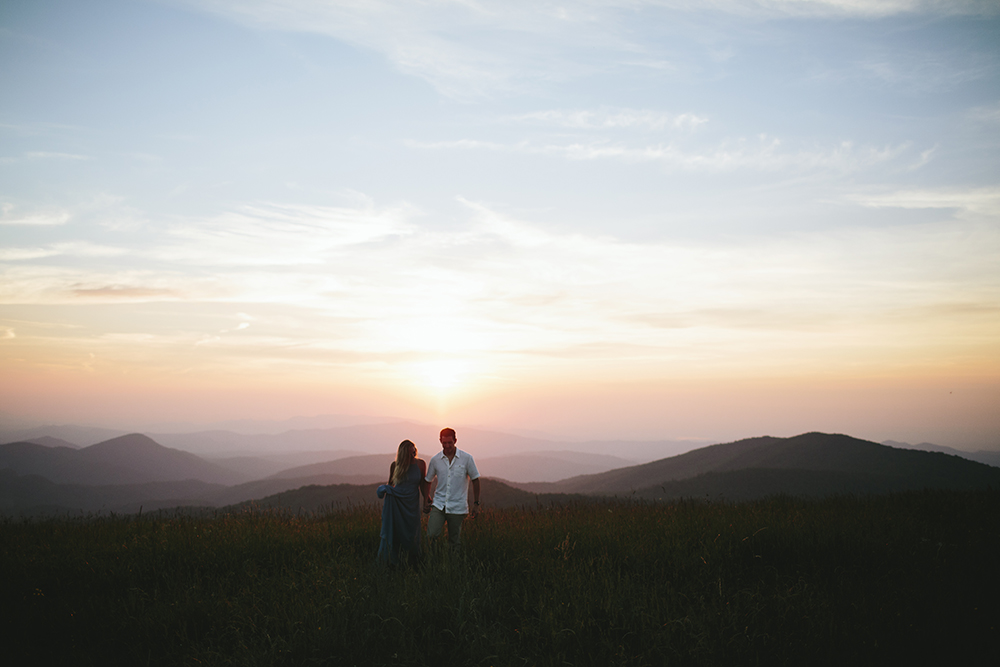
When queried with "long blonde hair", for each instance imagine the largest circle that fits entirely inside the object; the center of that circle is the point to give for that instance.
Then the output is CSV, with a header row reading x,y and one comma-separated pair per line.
x,y
403,461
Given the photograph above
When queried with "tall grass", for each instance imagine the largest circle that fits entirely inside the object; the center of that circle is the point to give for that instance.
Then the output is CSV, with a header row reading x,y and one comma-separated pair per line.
x,y
878,580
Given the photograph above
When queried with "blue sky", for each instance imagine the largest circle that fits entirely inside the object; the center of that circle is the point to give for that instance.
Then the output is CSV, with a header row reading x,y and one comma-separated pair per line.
x,y
559,215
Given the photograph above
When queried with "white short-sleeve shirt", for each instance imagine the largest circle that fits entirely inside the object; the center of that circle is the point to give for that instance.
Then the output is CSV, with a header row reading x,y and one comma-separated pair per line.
x,y
452,493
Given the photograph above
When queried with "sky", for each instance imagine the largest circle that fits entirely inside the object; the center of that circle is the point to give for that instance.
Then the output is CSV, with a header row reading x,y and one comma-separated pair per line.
x,y
632,219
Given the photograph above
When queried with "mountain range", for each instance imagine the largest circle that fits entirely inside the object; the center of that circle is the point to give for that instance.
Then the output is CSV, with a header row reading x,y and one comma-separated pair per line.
x,y
126,472
127,459
303,446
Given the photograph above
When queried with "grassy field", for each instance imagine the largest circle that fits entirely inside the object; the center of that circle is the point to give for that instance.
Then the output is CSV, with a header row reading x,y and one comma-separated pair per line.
x,y
903,579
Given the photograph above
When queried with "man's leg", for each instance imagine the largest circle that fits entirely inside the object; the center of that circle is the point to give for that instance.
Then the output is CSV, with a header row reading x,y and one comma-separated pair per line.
x,y
435,523
454,529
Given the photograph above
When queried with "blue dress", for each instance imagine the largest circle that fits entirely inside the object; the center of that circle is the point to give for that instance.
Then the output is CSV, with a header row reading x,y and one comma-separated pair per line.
x,y
401,519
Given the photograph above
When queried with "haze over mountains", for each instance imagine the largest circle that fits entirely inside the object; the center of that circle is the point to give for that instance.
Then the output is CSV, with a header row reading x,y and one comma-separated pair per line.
x,y
52,474
127,459
357,438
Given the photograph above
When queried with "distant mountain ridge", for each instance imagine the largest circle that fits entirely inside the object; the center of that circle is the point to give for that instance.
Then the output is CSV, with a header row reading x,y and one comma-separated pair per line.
x,y
48,441
35,495
531,466
124,473
385,437
981,456
127,459
868,465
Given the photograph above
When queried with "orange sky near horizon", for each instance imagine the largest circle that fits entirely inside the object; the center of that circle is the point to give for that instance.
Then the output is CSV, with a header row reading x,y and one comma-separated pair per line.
x,y
127,386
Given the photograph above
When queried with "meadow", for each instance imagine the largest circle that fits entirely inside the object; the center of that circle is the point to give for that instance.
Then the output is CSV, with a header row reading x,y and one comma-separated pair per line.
x,y
909,578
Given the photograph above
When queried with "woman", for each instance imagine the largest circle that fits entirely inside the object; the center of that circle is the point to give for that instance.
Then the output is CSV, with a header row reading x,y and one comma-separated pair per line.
x,y
401,508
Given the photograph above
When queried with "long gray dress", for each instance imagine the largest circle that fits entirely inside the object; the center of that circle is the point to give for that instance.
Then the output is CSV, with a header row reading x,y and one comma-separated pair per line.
x,y
401,519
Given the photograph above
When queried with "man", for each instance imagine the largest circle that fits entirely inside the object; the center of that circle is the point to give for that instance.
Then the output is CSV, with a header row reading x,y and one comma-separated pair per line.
x,y
453,468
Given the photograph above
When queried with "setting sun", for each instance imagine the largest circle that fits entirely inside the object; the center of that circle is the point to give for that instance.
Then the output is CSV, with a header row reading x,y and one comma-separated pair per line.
x,y
443,374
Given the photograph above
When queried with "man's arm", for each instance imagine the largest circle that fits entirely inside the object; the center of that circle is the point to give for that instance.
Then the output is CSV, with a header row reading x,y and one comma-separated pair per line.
x,y
425,487
475,496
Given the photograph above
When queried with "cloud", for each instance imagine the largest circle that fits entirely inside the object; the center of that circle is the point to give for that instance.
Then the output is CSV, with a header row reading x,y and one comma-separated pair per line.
x,y
862,8
927,73
369,288
276,234
609,119
989,113
65,249
35,219
47,155
468,49
18,254
763,154
88,249
116,292
464,49
983,202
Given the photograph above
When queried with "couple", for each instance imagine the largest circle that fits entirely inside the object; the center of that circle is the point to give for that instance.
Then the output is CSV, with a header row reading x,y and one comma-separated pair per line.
x,y
410,479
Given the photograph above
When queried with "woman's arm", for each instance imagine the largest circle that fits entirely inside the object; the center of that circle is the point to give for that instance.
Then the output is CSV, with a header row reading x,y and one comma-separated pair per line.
x,y
392,468
425,486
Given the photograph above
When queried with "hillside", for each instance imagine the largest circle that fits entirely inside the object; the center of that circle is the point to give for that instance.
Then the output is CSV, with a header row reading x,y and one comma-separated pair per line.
x,y
48,441
866,464
127,459
33,495
385,437
524,467
757,483
908,579
372,465
314,498
124,473
980,456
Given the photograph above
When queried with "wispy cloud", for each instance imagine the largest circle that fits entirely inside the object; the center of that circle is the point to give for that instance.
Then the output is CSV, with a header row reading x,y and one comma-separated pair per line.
x,y
49,155
274,234
764,154
989,113
469,48
864,8
10,216
116,292
984,202
372,288
927,73
609,119
18,254
66,248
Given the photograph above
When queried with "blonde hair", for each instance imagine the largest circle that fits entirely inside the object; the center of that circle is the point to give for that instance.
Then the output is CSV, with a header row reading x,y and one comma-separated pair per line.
x,y
403,461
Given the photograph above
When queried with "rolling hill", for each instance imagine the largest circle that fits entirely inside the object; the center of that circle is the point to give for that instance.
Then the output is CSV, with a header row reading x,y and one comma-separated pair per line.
x,y
33,495
316,498
48,441
384,437
127,472
524,467
980,456
127,459
849,465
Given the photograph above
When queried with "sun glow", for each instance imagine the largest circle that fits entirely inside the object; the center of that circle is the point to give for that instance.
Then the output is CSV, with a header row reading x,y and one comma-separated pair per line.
x,y
444,374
